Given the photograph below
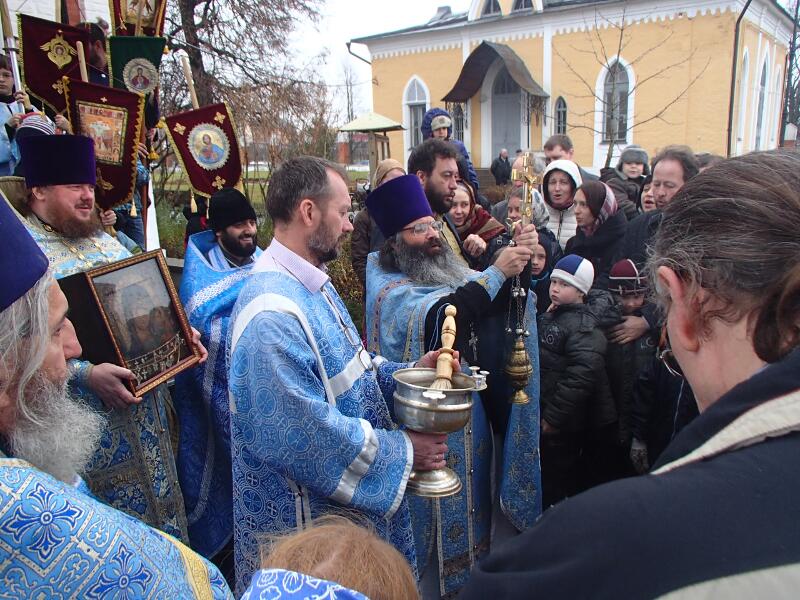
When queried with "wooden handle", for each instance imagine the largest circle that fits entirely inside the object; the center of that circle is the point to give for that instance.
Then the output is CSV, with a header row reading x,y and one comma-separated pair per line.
x,y
444,364
82,62
187,73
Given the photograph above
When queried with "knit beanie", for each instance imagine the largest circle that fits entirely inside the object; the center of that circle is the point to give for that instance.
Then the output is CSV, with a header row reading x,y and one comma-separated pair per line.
x,y
440,121
625,278
576,271
229,206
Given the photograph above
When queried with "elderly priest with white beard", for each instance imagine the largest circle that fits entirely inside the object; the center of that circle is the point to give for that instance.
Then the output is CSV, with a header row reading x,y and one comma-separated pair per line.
x,y
55,539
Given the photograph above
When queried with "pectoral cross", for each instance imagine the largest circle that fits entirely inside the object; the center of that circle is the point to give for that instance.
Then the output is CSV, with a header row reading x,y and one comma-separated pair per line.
x,y
473,343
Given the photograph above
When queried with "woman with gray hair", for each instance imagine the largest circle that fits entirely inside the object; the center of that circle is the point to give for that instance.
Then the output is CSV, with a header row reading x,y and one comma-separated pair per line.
x,y
718,515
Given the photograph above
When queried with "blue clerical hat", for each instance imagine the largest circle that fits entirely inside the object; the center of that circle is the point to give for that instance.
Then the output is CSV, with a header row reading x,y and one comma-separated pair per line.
x,y
397,203
22,263
58,160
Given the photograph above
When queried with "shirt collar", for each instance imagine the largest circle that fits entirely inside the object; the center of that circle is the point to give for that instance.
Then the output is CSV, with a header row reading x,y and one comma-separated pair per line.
x,y
306,273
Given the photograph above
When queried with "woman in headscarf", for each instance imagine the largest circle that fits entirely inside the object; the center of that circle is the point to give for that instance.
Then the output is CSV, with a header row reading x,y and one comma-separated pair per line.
x,y
471,218
601,228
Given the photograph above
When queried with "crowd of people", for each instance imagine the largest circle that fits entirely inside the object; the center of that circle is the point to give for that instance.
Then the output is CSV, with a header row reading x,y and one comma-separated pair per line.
x,y
658,305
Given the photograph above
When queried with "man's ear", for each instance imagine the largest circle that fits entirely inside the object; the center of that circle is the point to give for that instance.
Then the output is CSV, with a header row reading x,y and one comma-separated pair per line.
x,y
306,211
684,327
36,193
422,177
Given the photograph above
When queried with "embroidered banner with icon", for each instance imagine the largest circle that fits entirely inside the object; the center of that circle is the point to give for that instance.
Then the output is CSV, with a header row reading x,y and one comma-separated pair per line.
x,y
113,119
125,13
49,52
135,61
205,144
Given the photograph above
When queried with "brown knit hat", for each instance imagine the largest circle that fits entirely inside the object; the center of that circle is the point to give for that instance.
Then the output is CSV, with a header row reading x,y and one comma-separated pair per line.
x,y
383,168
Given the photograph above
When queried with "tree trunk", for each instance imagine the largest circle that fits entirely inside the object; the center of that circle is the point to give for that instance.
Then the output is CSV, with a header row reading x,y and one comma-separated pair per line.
x,y
202,81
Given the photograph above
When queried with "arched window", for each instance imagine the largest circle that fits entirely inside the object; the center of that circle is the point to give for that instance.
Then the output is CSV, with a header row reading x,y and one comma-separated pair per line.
x,y
416,103
458,122
615,104
561,116
491,7
522,4
762,96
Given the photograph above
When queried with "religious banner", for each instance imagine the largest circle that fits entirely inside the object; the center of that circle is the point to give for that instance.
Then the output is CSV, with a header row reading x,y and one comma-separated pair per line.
x,y
124,14
49,53
113,119
205,143
135,61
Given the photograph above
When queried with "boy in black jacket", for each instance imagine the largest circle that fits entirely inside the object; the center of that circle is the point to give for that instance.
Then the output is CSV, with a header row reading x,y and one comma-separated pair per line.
x,y
574,388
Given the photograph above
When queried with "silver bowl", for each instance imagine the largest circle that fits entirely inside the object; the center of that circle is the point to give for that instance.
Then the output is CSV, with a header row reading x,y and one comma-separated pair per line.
x,y
422,409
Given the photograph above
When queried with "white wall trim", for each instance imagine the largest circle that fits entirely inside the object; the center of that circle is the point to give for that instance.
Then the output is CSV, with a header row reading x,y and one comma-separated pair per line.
x,y
547,83
600,149
744,76
526,25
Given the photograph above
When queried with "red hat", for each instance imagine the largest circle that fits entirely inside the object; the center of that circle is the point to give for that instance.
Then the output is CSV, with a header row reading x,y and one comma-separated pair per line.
x,y
625,278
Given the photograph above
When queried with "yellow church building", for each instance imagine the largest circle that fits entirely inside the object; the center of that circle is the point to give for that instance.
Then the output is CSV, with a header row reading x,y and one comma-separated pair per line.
x,y
607,73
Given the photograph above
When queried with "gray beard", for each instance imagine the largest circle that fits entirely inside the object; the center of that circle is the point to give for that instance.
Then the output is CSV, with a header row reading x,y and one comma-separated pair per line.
x,y
64,435
442,270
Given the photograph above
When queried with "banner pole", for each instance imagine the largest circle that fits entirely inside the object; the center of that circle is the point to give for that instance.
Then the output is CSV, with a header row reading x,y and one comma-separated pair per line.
x,y
187,73
81,62
11,48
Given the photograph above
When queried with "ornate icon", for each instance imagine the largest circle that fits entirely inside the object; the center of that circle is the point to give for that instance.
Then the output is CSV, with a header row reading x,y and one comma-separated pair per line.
x,y
140,75
59,51
209,146
106,126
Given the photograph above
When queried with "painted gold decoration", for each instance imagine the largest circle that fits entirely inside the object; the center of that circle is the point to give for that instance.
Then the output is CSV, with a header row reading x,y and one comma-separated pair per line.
x,y
59,51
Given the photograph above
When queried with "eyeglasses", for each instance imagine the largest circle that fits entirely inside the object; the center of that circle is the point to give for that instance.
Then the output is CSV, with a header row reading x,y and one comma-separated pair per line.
x,y
422,228
666,356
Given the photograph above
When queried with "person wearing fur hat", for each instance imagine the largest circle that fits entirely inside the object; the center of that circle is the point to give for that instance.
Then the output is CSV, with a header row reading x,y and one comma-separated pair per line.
x,y
560,181
367,236
573,381
438,123
627,178
601,228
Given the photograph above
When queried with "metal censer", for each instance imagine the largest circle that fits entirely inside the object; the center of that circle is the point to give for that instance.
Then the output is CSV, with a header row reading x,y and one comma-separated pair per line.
x,y
423,404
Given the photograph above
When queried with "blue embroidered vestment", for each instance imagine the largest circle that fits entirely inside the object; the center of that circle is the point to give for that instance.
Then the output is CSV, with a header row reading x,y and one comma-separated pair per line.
x,y
209,288
310,428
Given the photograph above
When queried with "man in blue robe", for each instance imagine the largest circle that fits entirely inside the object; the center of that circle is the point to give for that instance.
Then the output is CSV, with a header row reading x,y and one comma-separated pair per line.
x,y
56,541
133,467
216,267
311,431
409,282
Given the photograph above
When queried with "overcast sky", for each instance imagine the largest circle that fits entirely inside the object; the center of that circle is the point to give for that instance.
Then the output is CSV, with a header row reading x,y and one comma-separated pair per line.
x,y
343,20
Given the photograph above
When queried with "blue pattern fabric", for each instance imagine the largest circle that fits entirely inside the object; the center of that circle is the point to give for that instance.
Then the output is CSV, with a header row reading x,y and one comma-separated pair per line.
x,y
278,584
310,429
133,468
208,291
396,313
56,542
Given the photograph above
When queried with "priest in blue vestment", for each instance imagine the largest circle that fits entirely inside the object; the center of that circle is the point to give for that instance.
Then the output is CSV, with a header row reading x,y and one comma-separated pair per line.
x,y
311,430
409,283
133,467
217,264
56,540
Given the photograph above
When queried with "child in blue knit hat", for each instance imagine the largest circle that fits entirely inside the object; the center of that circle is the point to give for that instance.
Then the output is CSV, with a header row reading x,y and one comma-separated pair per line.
x,y
575,398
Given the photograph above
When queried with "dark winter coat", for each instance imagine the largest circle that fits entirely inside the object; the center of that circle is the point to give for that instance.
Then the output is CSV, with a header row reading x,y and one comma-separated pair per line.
x,y
541,284
366,238
626,191
425,129
663,404
501,169
601,248
574,388
723,527
624,362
